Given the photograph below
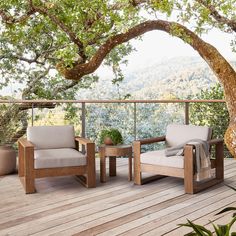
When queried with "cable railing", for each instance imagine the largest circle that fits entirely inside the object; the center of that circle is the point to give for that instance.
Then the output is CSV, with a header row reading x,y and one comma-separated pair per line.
x,y
134,118
32,105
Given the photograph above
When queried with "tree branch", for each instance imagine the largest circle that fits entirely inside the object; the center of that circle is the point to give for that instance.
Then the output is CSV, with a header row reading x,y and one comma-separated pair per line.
x,y
77,72
217,16
134,3
31,84
20,132
64,88
210,54
8,19
64,28
28,60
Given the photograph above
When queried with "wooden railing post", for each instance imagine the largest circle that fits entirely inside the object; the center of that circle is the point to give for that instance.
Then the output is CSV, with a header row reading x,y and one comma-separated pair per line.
x,y
32,114
83,128
186,112
135,121
83,124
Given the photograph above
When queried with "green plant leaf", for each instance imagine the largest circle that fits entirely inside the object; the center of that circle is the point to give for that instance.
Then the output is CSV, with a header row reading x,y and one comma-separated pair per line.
x,y
223,229
232,222
227,209
217,230
112,133
200,230
191,234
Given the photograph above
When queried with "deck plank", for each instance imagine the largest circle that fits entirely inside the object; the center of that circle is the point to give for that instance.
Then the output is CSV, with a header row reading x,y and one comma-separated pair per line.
x,y
63,207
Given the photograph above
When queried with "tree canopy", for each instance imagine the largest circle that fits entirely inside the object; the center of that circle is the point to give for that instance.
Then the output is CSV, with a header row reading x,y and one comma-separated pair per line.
x,y
76,37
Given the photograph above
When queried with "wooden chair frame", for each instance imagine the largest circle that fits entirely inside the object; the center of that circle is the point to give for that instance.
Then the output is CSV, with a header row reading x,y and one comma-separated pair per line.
x,y
187,173
27,173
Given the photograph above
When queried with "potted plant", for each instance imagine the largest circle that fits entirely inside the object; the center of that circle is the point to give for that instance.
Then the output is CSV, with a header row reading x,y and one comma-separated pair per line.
x,y
7,153
110,137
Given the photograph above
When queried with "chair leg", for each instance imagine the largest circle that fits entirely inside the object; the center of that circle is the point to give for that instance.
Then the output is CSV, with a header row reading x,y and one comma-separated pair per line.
x,y
91,179
137,164
137,178
219,161
29,170
91,170
20,161
188,170
29,185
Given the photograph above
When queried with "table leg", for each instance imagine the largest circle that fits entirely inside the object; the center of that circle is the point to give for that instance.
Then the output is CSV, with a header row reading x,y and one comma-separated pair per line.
x,y
112,166
130,168
102,165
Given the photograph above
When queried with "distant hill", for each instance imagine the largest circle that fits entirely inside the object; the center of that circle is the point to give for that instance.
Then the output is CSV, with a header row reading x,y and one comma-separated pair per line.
x,y
174,78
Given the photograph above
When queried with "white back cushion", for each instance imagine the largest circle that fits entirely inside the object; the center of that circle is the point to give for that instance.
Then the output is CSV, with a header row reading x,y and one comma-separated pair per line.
x,y
46,137
177,134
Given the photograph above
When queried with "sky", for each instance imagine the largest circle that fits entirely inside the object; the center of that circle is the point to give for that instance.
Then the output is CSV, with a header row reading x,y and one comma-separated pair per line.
x,y
157,47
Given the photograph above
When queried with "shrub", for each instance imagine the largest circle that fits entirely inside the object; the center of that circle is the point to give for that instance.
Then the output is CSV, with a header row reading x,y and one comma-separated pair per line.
x,y
214,115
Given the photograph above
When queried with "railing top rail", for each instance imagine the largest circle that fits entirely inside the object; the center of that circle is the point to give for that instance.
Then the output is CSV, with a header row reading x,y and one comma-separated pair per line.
x,y
111,101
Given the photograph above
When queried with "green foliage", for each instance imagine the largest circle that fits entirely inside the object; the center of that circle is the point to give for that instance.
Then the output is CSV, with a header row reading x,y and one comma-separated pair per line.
x,y
164,6
214,115
11,121
200,17
31,48
112,133
219,230
179,32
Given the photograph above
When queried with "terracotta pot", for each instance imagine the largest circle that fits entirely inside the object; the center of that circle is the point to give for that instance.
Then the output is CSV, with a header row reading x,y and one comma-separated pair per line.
x,y
7,160
108,141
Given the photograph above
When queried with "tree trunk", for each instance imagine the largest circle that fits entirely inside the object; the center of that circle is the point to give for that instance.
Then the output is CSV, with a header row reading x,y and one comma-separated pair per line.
x,y
222,69
227,77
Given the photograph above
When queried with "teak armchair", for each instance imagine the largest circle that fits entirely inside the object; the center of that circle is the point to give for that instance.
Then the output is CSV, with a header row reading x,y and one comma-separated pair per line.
x,y
54,151
155,162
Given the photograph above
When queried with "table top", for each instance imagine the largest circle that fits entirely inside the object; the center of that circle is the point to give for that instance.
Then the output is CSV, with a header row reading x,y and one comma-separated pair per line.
x,y
119,146
116,150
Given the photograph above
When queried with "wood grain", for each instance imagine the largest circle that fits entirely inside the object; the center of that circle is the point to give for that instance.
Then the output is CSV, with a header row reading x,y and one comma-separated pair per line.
x,y
118,207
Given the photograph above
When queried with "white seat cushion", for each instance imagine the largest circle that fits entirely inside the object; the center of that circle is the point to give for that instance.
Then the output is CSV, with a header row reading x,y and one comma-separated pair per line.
x,y
159,158
46,137
178,134
62,157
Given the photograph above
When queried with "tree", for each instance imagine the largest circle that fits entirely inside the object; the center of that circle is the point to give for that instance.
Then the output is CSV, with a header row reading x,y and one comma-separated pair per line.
x,y
75,37
214,115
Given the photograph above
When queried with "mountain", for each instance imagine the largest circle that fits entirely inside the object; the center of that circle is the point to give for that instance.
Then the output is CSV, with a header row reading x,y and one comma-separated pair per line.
x,y
174,78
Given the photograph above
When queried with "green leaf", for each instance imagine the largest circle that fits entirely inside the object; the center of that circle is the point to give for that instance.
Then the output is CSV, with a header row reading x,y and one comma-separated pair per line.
x,y
191,234
217,230
227,209
200,230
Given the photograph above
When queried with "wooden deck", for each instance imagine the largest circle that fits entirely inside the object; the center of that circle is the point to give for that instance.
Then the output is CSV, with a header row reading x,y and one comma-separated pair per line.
x,y
63,207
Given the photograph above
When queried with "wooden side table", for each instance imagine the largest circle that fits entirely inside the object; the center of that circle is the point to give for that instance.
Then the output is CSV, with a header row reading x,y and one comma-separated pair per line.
x,y
112,152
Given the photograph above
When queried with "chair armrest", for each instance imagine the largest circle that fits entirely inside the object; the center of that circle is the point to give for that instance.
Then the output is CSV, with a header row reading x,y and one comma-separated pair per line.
x,y
83,141
210,142
25,143
215,141
151,140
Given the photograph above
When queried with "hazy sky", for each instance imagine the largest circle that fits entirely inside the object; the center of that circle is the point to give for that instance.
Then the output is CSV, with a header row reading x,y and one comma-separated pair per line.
x,y
159,46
